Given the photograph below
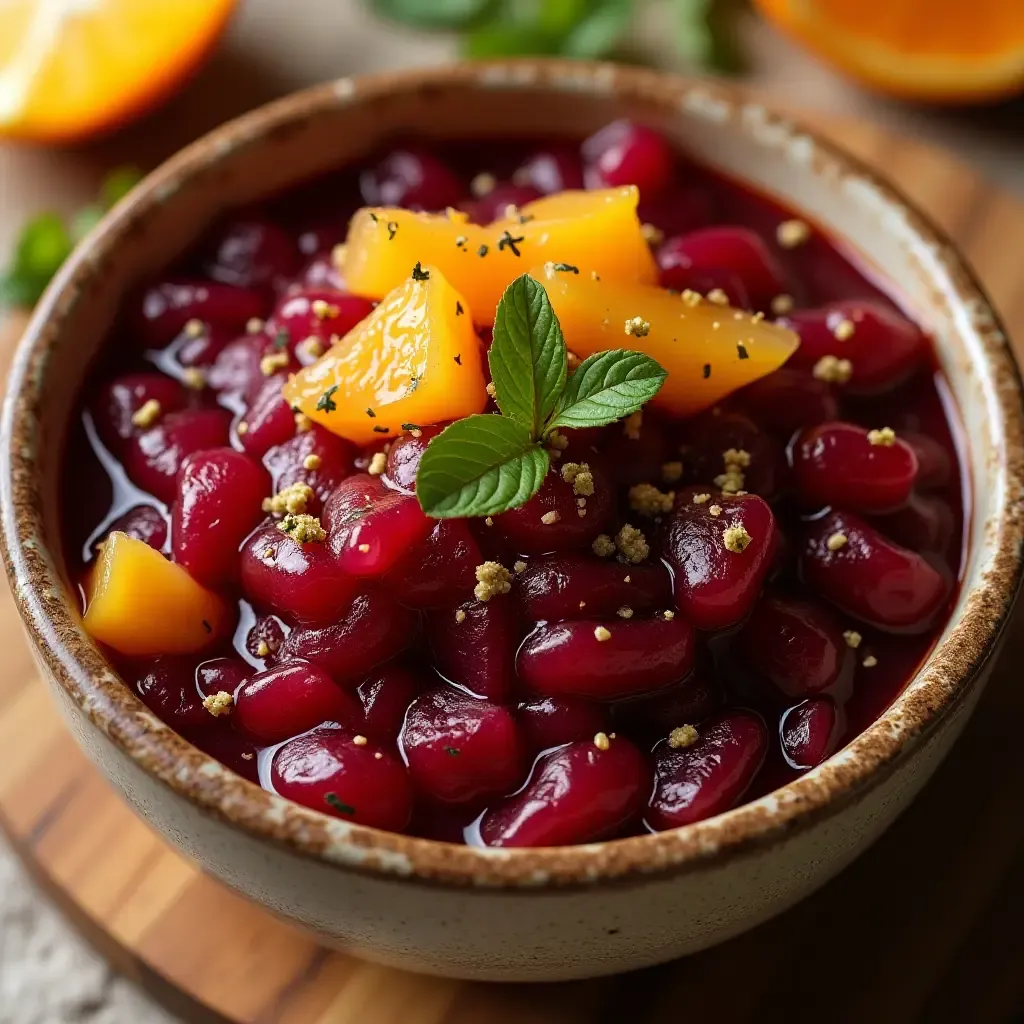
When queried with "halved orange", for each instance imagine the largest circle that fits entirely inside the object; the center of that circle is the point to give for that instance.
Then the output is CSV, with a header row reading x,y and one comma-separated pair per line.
x,y
71,68
944,50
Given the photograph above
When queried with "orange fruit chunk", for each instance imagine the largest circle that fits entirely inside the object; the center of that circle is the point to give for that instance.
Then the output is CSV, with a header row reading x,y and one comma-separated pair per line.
x,y
707,349
414,360
596,231
141,604
70,68
943,50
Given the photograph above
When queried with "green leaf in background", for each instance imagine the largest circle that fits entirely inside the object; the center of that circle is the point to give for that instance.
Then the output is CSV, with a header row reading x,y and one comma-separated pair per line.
x,y
84,220
117,184
432,14
707,36
480,466
527,355
601,31
607,386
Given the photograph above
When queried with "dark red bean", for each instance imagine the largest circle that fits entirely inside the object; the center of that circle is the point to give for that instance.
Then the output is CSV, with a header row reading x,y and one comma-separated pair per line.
x,y
167,686
837,464
476,648
269,420
870,577
713,437
412,178
236,370
809,732
687,703
636,455
145,523
321,314
494,206
385,696
934,464
221,675
404,458
440,570
788,399
460,749
121,398
710,776
577,794
165,308
314,457
551,721
550,170
717,584
925,523
253,253
361,782
625,153
634,657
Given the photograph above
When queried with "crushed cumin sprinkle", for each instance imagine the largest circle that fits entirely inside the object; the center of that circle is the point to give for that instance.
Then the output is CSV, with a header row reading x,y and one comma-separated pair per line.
x,y
886,437
632,544
193,378
460,615
833,370
324,310
483,184
736,538
638,327
668,615
692,298
625,612
652,235
491,389
519,566
852,638
272,362
601,633
715,510
219,703
312,461
649,501
303,529
870,661
601,739
302,423
837,541
683,736
488,521
550,518
791,233
844,330
294,498
378,463
735,461
671,472
718,297
700,499
603,545
359,740
782,304
253,325
492,579
363,549
377,755
579,475
310,347
262,649
558,441
147,414
194,328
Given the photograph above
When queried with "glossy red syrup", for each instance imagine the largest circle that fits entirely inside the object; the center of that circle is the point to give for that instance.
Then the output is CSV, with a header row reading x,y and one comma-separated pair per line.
x,y
368,681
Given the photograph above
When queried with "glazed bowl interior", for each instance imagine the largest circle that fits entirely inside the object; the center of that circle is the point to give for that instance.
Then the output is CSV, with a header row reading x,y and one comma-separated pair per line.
x,y
340,123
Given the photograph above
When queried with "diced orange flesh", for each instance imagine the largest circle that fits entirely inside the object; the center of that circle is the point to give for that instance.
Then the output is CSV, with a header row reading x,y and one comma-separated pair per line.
x,y
142,604
707,349
596,231
414,359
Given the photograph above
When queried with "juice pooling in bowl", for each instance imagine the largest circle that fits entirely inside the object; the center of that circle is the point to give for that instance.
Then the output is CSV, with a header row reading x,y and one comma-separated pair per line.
x,y
728,564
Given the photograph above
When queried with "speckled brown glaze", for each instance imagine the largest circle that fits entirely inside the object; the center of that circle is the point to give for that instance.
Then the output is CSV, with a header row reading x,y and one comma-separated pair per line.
x,y
430,905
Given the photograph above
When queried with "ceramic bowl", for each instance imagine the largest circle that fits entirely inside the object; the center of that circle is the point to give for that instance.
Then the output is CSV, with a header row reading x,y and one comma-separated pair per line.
x,y
518,914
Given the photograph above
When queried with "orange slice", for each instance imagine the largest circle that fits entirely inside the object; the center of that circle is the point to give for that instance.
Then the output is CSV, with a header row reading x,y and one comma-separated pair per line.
x,y
596,231
414,360
70,68
949,50
708,350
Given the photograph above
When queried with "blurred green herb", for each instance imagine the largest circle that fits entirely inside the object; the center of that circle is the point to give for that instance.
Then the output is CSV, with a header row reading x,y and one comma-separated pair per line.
x,y
47,239
585,29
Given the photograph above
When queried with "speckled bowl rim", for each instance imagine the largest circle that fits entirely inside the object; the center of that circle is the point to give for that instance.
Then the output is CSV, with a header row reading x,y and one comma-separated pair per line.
x,y
87,680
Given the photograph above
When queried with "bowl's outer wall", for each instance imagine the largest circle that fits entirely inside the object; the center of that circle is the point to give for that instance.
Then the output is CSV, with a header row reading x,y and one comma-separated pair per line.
x,y
618,905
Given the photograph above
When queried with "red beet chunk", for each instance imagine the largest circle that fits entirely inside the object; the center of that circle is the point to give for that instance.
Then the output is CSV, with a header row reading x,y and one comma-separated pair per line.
x,y
373,630
231,748
836,464
637,656
495,204
440,570
459,749
167,686
870,577
314,457
884,348
731,248
291,698
269,420
119,399
299,581
715,437
145,523
404,458
796,644
360,782
716,586
220,494
528,529
552,721
809,732
555,169
165,308
687,703
568,587
384,696
155,455
476,648
788,399
578,794
221,675
321,314
412,178
624,153
695,782
925,523
253,253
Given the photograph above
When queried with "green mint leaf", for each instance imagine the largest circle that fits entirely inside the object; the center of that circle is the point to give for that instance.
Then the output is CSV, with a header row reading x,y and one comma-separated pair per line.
x,y
600,31
607,386
527,355
432,14
117,184
480,466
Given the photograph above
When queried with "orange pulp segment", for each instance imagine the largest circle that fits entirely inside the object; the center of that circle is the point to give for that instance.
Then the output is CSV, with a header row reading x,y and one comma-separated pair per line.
x,y
142,604
920,49
707,349
69,68
414,360
597,231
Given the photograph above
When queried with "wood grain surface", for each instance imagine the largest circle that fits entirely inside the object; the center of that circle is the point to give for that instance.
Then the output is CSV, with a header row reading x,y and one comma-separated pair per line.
x,y
924,927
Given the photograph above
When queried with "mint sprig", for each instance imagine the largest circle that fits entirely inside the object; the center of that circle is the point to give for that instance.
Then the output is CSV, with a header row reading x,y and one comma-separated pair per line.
x,y
487,464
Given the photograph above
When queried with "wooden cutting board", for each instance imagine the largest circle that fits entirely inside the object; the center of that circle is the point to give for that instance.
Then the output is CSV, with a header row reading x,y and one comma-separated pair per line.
x,y
924,927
